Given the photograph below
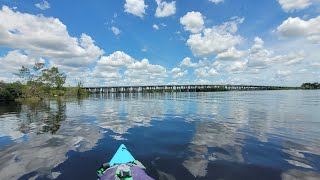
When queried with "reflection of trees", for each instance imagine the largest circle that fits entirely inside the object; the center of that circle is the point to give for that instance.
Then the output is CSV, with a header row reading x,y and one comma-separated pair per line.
x,y
42,152
9,122
42,117
56,115
9,108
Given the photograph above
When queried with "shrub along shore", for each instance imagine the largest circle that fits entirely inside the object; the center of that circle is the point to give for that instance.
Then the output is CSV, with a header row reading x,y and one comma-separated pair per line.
x,y
38,83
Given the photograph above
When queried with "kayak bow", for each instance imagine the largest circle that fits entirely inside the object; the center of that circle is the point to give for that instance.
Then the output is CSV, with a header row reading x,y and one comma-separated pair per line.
x,y
123,166
122,156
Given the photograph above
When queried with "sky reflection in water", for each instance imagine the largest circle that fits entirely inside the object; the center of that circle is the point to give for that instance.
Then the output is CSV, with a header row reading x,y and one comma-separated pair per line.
x,y
221,135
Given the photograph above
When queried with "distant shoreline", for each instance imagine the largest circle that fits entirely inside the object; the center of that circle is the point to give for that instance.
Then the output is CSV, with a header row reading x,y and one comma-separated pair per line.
x,y
183,88
13,91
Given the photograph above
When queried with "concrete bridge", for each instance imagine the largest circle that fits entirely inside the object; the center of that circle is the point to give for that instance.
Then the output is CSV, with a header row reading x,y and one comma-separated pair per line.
x,y
178,88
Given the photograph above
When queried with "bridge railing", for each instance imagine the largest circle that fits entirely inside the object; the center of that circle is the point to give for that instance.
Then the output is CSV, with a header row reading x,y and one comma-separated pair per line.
x,y
178,88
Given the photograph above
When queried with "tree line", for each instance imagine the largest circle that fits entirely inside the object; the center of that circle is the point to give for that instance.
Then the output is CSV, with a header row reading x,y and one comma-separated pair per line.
x,y
38,82
315,85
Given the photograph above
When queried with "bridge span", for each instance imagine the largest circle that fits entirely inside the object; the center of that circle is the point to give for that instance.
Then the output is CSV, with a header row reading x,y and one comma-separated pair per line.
x,y
178,88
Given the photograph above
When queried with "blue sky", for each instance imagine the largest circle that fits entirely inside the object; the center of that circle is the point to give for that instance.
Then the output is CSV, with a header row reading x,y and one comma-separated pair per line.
x,y
117,42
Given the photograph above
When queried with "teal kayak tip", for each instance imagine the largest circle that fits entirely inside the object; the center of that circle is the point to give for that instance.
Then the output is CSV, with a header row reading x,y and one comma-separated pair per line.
x,y
122,156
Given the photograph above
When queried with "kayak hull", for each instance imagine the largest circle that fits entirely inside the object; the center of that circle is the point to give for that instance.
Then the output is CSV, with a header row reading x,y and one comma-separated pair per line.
x,y
122,156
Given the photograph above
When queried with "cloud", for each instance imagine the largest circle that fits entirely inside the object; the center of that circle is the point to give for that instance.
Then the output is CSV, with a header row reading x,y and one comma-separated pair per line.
x,y
290,59
20,158
116,59
237,66
135,7
37,37
178,73
165,9
215,40
108,66
45,37
258,57
315,64
43,5
294,5
144,49
216,1
260,60
144,72
231,54
283,72
186,62
12,62
205,72
115,30
163,24
296,27
193,22
156,27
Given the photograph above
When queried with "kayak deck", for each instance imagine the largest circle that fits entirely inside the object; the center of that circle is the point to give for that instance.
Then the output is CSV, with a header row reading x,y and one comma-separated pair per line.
x,y
122,156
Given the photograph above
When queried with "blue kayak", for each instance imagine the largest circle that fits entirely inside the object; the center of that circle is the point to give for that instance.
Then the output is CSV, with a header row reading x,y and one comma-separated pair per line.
x,y
122,156
123,166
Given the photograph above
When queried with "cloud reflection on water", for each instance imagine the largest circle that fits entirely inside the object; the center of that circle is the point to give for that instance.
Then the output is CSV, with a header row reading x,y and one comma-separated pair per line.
x,y
226,127
226,124
44,151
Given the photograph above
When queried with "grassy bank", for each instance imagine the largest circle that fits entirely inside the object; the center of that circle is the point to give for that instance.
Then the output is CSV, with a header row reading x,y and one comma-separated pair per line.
x,y
28,100
10,92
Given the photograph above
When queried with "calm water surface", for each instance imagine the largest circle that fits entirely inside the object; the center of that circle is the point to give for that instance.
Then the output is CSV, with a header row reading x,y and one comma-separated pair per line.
x,y
221,135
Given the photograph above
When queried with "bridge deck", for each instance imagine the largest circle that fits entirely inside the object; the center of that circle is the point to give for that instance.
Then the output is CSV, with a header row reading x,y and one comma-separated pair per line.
x,y
179,88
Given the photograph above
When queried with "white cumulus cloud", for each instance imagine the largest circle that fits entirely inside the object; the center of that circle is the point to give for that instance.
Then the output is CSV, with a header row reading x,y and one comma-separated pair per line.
x,y
156,27
144,72
215,40
193,22
292,5
231,54
46,37
43,5
116,59
122,68
205,72
165,9
12,62
115,30
283,72
216,1
296,27
186,62
178,73
237,66
260,57
135,7
108,66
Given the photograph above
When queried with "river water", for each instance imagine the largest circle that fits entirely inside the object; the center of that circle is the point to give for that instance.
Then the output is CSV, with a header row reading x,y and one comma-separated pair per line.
x,y
220,135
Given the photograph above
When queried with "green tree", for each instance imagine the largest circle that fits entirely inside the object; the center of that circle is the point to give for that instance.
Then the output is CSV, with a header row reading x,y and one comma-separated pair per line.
x,y
310,85
31,75
33,79
40,80
53,78
10,91
79,88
